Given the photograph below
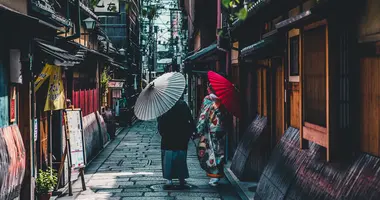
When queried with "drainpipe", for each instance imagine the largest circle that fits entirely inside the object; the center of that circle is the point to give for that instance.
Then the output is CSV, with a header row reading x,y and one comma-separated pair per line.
x,y
218,17
77,25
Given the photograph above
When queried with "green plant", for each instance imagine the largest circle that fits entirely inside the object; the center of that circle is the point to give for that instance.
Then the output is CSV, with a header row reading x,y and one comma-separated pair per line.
x,y
46,181
151,12
104,78
236,9
127,7
93,3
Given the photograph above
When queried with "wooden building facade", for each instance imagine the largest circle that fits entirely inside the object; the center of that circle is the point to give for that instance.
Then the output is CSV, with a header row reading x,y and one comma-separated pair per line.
x,y
291,70
55,35
18,141
308,68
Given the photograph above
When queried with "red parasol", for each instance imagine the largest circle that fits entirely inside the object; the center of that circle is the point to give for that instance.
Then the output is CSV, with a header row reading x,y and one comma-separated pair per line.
x,y
226,92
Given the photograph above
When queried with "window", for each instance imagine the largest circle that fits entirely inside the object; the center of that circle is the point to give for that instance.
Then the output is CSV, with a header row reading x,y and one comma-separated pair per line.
x,y
294,64
294,56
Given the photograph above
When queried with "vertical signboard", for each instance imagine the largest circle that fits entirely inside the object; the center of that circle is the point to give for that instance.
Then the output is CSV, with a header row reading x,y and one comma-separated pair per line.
x,y
75,132
35,129
76,149
12,104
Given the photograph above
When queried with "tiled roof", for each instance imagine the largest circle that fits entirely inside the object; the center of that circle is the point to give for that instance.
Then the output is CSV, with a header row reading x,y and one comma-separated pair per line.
x,y
58,53
251,11
201,52
256,46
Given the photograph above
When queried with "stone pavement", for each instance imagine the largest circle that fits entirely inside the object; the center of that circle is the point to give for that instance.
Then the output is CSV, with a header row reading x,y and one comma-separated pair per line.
x,y
130,168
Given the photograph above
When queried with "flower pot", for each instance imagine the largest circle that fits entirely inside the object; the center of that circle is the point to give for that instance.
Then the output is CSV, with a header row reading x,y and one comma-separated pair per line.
x,y
45,196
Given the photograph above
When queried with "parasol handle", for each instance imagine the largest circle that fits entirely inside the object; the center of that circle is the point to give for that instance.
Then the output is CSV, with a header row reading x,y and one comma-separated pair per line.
x,y
151,85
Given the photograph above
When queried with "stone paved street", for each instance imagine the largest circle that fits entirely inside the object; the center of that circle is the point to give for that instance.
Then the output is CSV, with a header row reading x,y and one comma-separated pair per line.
x,y
130,168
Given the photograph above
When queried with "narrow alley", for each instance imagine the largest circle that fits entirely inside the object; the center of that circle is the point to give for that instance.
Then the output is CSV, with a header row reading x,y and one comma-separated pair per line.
x,y
284,96
130,168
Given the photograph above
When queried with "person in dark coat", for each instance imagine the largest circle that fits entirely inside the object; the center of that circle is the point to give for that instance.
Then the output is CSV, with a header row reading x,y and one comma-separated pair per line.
x,y
176,128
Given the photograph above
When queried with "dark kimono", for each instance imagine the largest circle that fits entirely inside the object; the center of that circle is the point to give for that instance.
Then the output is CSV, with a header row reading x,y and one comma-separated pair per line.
x,y
176,127
211,149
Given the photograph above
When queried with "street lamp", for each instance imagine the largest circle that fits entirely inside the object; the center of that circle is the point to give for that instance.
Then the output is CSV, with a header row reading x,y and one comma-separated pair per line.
x,y
89,23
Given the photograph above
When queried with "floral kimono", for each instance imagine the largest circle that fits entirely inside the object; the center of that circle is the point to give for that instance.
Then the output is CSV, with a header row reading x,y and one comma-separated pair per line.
x,y
211,146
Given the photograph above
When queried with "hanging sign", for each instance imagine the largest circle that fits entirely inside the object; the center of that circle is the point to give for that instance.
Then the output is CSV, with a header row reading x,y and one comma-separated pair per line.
x,y
46,71
107,7
12,106
56,97
115,84
35,132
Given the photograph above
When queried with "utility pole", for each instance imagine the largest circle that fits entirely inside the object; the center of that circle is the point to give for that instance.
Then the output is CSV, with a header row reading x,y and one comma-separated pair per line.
x,y
141,35
174,34
155,48
171,48
150,66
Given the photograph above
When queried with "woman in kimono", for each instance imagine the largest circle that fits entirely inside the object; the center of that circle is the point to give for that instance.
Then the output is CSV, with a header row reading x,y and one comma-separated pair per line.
x,y
176,127
211,130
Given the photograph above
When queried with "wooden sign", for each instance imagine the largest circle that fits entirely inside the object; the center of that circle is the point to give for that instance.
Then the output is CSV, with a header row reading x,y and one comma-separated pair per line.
x,y
35,129
75,132
107,7
74,149
115,84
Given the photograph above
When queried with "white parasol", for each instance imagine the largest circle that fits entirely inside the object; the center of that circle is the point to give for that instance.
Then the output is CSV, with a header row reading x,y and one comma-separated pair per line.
x,y
159,96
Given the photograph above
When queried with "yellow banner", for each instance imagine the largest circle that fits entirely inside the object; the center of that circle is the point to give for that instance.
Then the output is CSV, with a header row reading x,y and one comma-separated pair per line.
x,y
46,72
56,95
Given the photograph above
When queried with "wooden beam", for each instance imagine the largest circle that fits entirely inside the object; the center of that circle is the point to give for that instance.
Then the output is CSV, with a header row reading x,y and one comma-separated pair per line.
x,y
316,127
303,143
315,136
369,38
283,101
315,25
327,94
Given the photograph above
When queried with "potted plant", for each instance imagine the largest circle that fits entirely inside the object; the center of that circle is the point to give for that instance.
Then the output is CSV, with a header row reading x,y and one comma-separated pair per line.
x,y
45,183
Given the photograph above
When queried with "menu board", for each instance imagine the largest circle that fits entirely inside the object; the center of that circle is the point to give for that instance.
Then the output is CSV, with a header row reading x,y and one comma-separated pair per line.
x,y
75,132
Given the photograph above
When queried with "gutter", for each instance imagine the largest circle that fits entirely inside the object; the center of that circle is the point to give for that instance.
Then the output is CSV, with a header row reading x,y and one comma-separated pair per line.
x,y
77,25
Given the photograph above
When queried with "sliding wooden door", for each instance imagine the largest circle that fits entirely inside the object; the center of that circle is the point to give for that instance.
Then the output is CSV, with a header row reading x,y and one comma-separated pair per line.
x,y
314,86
